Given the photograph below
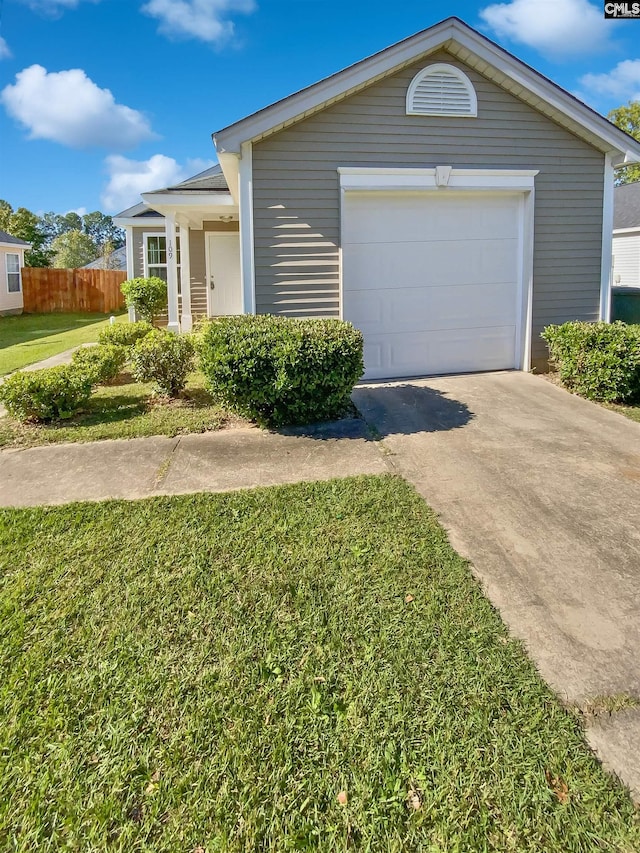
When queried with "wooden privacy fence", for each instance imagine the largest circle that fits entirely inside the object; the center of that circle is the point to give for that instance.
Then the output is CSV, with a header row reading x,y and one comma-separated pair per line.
x,y
47,289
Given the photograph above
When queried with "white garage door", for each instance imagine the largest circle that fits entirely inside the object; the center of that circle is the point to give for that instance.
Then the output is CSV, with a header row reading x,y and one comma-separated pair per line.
x,y
431,279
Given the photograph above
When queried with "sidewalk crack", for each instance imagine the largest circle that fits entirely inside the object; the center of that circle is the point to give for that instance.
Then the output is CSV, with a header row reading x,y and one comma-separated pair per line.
x,y
163,470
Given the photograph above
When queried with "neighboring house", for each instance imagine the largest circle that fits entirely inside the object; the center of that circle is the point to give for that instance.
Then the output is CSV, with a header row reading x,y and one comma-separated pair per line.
x,y
116,260
626,235
441,195
12,252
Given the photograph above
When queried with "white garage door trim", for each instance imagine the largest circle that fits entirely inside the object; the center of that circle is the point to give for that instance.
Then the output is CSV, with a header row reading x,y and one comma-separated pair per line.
x,y
445,179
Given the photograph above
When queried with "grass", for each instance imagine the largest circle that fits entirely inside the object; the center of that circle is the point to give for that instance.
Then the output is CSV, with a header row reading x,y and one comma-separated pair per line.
x,y
629,411
124,410
28,338
218,672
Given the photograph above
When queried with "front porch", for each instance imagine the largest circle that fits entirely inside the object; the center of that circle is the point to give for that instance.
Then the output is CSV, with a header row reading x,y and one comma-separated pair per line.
x,y
189,236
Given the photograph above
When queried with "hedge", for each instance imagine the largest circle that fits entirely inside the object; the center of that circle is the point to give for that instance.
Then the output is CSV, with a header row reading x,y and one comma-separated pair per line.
x,y
280,371
124,334
100,363
600,361
47,394
165,359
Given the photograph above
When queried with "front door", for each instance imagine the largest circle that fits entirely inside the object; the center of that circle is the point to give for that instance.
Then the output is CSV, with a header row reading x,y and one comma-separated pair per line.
x,y
224,287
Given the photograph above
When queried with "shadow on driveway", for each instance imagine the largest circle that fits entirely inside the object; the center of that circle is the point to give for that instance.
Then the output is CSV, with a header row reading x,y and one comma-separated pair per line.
x,y
402,408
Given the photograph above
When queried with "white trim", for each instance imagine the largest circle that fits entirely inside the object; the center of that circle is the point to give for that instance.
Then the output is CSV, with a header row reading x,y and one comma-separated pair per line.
x,y
510,181
15,247
621,231
442,68
20,256
174,200
245,201
131,268
366,178
139,221
186,318
451,33
607,240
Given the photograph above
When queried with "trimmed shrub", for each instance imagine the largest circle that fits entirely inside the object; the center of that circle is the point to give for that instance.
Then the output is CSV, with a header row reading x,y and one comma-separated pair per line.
x,y
600,361
147,295
124,334
165,359
47,394
100,363
281,371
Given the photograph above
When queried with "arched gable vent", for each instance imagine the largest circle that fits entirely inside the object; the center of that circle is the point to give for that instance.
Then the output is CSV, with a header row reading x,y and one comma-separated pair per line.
x,y
441,90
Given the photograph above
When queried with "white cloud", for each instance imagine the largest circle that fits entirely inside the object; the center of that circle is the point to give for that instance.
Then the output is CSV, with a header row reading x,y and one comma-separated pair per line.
x,y
5,53
53,7
68,107
622,83
207,20
557,28
128,178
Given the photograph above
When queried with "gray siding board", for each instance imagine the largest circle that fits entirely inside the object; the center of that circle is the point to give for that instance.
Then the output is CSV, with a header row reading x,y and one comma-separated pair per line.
x,y
296,192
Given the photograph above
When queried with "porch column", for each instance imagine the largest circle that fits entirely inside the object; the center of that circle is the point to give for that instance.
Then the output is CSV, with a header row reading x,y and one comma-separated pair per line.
x,y
172,272
186,319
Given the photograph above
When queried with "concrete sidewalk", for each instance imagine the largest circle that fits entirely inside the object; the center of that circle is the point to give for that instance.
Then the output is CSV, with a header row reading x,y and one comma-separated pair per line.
x,y
215,462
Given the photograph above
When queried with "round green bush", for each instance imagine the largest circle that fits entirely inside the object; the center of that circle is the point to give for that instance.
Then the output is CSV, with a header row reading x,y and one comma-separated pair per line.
x,y
100,363
147,295
165,359
46,395
282,371
600,361
124,334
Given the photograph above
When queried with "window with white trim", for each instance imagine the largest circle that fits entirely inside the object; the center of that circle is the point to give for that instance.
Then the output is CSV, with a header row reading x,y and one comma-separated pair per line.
x,y
155,256
441,90
14,284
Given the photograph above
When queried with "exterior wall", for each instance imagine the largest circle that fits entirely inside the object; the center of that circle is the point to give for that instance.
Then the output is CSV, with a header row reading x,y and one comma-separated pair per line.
x,y
138,247
296,192
10,303
626,260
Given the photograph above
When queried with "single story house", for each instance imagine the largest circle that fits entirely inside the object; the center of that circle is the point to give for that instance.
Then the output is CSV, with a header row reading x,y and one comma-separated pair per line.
x,y
626,235
12,251
441,195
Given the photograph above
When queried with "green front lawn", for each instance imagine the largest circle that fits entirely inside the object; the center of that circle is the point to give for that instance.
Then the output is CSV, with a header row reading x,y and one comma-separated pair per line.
x,y
28,338
126,409
308,667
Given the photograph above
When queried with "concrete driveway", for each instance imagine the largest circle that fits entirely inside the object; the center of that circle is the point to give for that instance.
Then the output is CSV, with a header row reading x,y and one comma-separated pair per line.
x,y
540,490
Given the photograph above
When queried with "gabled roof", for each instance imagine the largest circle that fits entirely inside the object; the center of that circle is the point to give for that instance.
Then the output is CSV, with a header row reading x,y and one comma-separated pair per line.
x,y
14,241
211,180
471,48
626,206
140,210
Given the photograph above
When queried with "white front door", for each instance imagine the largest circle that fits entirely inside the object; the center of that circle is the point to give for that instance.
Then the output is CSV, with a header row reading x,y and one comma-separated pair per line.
x,y
224,286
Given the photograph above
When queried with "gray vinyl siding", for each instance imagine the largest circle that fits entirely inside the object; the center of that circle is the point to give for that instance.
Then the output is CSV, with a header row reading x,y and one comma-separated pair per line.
x,y
138,247
296,192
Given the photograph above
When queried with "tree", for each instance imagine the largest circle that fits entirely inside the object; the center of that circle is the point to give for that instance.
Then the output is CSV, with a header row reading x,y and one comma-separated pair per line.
x,y
100,227
5,214
73,249
627,118
26,226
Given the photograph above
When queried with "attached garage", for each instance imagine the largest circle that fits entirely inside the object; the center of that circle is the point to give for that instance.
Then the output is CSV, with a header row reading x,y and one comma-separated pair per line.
x,y
435,278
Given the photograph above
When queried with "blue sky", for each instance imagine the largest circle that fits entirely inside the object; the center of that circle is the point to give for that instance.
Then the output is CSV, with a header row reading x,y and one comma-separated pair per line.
x,y
103,99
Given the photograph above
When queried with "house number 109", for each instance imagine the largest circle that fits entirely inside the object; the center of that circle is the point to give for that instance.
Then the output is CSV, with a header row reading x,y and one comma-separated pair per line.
x,y
170,249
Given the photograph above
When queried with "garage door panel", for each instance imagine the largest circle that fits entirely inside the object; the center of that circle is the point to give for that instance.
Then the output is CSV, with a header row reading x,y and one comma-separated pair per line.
x,y
430,264
426,309
432,280
436,216
417,354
